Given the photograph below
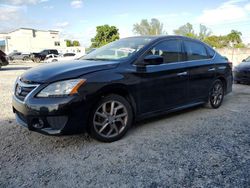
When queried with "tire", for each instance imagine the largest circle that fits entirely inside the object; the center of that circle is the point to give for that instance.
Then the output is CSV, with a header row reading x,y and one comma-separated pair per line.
x,y
216,94
37,60
25,58
54,60
109,125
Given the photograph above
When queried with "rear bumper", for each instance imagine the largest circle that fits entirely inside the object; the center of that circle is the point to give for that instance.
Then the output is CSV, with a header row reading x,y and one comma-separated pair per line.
x,y
51,117
229,84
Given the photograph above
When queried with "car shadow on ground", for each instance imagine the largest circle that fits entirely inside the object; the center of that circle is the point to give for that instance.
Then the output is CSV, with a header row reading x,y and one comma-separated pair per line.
x,y
80,139
77,140
166,116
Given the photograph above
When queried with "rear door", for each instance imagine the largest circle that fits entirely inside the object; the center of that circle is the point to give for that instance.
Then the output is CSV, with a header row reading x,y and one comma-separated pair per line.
x,y
163,86
201,69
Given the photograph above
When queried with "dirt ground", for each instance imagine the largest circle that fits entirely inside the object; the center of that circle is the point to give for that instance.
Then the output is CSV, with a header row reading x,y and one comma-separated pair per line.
x,y
199,147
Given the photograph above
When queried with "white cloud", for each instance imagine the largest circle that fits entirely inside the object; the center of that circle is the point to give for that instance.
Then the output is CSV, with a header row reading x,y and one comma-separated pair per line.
x,y
48,7
21,2
247,7
62,24
123,15
9,12
83,36
76,3
24,2
230,11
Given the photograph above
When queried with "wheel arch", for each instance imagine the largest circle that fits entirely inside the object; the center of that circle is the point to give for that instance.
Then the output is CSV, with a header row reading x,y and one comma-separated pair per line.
x,y
224,82
118,89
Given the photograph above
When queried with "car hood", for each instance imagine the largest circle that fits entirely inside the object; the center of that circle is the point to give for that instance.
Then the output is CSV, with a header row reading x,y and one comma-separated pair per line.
x,y
64,70
244,66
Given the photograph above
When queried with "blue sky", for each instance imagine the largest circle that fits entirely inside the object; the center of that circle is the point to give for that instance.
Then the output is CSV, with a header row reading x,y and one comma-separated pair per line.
x,y
77,19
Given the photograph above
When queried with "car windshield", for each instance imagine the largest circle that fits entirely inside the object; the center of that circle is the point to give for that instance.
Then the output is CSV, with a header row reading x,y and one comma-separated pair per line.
x,y
248,59
118,50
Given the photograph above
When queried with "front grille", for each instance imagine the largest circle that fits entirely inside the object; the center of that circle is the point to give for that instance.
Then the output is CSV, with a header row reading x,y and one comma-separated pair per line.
x,y
22,90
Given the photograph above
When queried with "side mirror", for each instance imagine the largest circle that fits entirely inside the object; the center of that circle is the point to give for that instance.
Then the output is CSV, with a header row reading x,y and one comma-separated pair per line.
x,y
153,60
243,60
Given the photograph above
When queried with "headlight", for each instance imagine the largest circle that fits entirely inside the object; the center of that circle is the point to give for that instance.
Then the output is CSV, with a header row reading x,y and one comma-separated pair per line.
x,y
62,88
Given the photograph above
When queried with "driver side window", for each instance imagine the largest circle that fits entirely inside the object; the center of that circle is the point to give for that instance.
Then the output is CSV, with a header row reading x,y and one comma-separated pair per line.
x,y
170,50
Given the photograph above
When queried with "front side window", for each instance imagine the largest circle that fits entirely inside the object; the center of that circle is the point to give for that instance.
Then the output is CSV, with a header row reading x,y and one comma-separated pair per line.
x,y
118,50
195,51
170,51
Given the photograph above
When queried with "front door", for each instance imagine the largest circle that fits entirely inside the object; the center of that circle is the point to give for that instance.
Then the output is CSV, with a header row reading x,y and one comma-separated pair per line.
x,y
163,86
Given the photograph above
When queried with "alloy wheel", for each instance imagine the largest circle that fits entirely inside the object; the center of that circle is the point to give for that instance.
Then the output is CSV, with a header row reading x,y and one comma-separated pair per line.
x,y
110,119
217,94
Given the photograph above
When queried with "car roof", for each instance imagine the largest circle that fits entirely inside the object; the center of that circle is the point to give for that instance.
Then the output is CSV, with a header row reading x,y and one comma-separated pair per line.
x,y
158,37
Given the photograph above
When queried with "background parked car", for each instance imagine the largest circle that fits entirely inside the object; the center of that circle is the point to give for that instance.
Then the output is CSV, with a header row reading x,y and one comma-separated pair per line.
x,y
63,57
242,72
3,59
37,57
19,56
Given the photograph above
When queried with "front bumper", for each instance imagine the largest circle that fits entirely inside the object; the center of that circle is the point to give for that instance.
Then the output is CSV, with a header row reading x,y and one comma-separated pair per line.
x,y
52,116
242,76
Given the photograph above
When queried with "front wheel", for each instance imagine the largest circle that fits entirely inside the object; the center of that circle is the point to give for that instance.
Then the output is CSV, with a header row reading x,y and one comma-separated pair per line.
x,y
216,94
111,118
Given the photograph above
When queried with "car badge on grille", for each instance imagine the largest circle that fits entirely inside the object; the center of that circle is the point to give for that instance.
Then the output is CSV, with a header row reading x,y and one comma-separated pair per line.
x,y
19,89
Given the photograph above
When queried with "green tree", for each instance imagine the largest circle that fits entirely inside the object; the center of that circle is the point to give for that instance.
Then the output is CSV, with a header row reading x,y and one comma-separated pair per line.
x,y
104,35
76,43
68,43
154,27
235,38
216,41
204,32
186,30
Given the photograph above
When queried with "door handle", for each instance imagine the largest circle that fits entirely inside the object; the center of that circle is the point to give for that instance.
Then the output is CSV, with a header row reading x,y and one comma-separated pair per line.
x,y
182,74
211,69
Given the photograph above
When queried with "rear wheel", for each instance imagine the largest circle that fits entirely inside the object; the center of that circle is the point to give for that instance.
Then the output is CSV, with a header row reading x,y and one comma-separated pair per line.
x,y
216,94
25,58
37,60
111,118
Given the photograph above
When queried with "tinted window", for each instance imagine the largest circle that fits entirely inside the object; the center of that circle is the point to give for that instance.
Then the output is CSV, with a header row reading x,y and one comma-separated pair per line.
x,y
53,51
170,51
44,52
211,52
69,54
195,50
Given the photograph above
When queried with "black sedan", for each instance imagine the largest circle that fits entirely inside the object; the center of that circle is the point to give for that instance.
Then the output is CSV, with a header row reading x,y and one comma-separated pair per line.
x,y
242,72
122,82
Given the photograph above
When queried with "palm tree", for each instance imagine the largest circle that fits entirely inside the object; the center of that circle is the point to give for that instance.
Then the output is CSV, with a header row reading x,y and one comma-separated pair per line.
x,y
234,37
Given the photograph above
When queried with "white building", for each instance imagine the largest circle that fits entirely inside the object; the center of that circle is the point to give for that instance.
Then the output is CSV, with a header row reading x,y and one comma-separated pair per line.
x,y
31,40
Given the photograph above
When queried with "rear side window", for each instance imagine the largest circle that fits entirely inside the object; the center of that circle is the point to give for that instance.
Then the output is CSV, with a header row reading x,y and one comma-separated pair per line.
x,y
195,51
170,51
